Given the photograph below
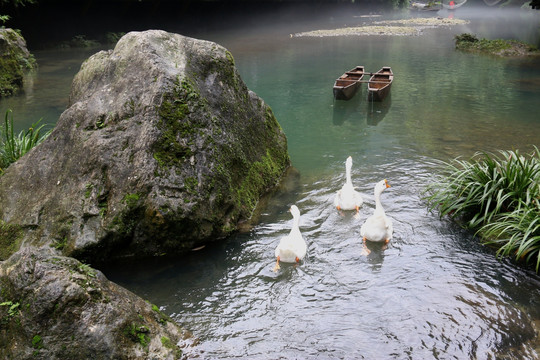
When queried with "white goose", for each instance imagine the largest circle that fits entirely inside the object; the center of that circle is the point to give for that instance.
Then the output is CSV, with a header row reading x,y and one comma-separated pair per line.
x,y
377,227
347,198
292,248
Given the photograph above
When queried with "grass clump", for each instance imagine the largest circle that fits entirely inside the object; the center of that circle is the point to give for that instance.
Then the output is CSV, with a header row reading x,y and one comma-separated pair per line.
x,y
501,47
13,146
12,309
498,196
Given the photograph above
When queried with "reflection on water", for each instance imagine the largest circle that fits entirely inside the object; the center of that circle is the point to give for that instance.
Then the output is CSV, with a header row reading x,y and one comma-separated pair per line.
x,y
360,109
350,110
378,110
434,292
46,92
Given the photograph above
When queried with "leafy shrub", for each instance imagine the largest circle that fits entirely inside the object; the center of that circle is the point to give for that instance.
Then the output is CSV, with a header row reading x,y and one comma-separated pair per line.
x,y
496,195
12,146
466,37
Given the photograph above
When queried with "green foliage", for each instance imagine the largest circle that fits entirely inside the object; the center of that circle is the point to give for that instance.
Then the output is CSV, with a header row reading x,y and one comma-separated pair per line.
x,y
13,308
4,18
517,233
12,146
466,37
87,270
59,244
496,195
17,2
470,42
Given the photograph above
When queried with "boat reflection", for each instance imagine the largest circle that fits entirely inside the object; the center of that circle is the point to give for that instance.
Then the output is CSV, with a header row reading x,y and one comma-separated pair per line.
x,y
350,110
377,110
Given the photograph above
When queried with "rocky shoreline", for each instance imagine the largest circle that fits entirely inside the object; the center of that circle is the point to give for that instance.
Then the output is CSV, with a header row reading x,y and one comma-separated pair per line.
x,y
162,149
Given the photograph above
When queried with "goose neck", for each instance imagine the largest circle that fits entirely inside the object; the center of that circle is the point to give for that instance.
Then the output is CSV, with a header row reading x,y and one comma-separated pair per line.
x,y
378,204
348,175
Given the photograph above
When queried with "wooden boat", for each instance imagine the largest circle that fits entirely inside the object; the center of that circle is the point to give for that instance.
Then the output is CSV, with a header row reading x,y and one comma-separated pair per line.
x,y
452,5
348,84
379,84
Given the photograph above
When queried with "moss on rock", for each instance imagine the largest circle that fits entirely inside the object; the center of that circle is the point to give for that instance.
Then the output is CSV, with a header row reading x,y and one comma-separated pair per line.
x,y
15,60
198,152
10,237
173,146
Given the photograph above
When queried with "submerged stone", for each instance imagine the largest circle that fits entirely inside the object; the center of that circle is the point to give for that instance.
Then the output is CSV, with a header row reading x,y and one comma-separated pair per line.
x,y
162,148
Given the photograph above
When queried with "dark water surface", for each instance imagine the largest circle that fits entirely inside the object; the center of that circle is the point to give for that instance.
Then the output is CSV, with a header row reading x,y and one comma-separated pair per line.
x,y
434,293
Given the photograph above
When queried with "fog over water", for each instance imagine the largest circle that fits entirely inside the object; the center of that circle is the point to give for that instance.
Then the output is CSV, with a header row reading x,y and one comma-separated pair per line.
x,y
434,292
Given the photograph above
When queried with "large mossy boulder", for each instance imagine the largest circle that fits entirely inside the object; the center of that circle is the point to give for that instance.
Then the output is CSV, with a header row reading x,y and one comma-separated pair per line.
x,y
162,148
15,60
55,307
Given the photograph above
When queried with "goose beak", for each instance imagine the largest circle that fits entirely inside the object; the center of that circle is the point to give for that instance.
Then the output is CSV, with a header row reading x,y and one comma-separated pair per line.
x,y
387,184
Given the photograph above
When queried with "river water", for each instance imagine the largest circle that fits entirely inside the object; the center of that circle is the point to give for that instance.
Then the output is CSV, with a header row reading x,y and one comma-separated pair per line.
x,y
434,292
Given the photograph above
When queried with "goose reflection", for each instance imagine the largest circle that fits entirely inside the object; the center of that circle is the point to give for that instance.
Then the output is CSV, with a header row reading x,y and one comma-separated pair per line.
x,y
376,254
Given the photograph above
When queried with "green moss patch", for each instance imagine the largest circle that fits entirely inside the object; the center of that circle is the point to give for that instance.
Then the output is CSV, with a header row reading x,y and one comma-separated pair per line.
x,y
138,334
173,146
11,76
261,176
10,237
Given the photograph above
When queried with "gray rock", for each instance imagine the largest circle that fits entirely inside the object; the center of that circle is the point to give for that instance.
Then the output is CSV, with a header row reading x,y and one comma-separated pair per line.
x,y
15,61
162,148
54,307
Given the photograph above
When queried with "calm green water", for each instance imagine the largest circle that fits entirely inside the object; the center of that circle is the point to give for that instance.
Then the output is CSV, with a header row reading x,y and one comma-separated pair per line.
x,y
434,292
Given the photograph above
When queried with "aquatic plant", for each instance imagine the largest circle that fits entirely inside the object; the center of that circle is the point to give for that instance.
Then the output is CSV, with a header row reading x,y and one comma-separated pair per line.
x,y
496,195
517,233
12,146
